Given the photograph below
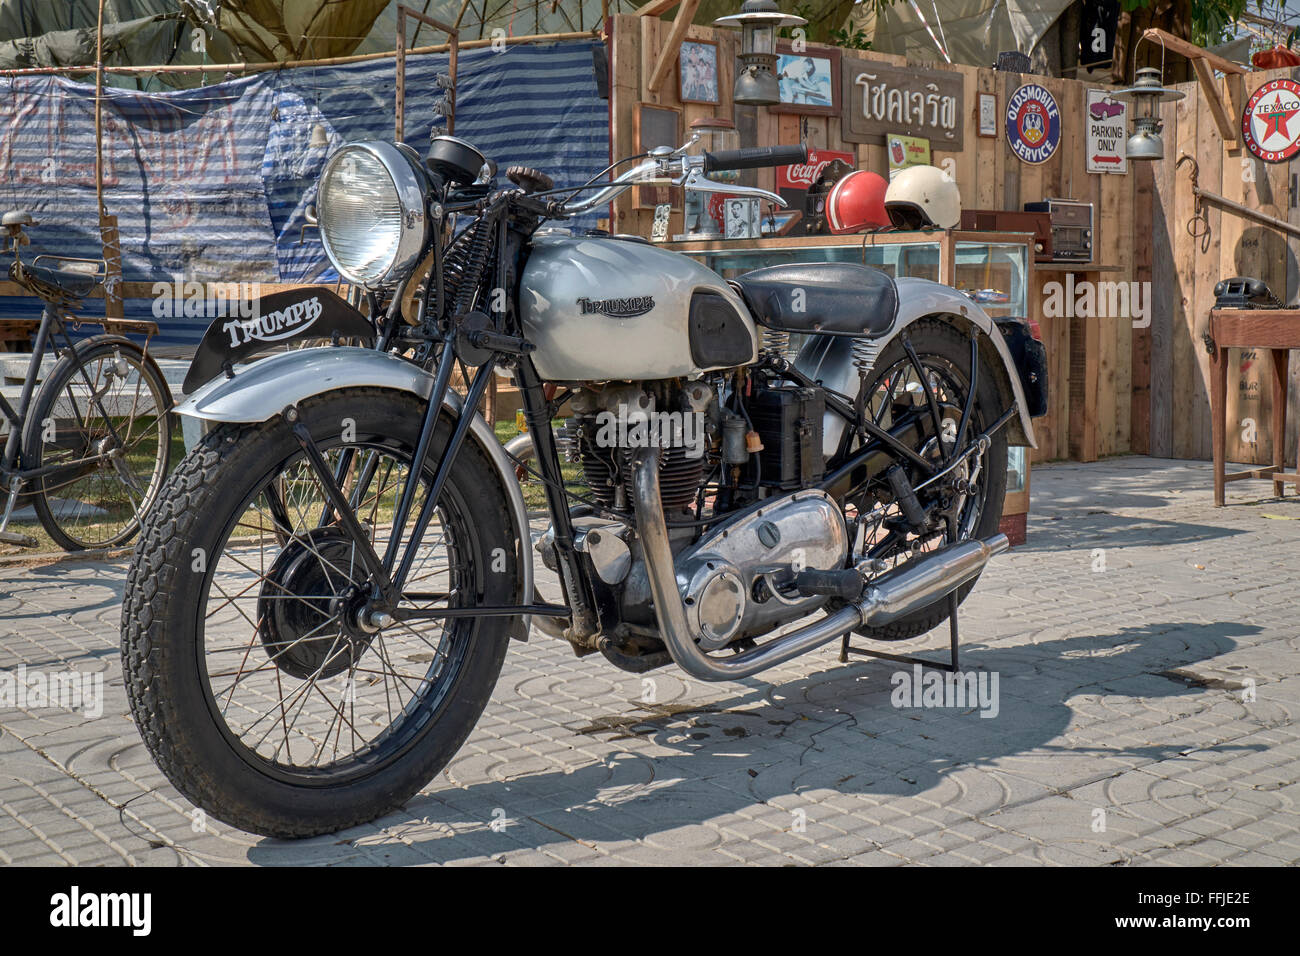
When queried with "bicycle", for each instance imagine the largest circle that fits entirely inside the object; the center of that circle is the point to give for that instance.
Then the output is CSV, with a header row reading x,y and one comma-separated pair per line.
x,y
90,448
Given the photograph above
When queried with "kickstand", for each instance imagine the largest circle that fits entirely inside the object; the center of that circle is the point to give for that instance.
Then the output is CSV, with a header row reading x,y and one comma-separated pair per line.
x,y
14,537
951,666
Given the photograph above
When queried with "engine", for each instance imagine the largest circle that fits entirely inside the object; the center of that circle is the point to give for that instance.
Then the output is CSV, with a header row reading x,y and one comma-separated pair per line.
x,y
731,444
609,424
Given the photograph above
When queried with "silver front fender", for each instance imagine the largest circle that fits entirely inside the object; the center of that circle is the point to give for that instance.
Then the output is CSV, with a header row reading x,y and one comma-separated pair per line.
x,y
829,359
260,391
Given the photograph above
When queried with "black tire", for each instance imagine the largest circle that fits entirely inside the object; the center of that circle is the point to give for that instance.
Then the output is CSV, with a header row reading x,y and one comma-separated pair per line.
x,y
937,339
163,643
59,393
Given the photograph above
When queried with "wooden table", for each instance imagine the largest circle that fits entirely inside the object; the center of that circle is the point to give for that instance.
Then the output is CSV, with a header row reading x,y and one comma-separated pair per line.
x,y
1276,330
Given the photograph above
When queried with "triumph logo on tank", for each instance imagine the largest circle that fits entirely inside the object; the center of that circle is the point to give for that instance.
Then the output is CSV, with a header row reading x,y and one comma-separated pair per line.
x,y
628,308
275,326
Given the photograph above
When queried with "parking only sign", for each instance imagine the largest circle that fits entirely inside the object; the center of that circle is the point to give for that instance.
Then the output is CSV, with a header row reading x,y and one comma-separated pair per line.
x,y
1107,124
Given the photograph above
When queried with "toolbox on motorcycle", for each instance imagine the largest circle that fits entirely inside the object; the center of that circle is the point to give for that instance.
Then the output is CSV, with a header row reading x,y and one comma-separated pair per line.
x,y
788,419
1030,356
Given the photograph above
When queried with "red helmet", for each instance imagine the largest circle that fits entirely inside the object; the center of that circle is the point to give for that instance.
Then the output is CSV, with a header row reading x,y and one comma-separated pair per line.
x,y
857,202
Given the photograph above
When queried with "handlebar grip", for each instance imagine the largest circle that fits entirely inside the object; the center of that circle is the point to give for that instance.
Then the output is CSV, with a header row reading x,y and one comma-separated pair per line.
x,y
755,157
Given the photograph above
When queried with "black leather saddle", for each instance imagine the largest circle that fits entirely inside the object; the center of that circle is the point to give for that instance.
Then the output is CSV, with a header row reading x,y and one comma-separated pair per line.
x,y
73,285
56,285
824,298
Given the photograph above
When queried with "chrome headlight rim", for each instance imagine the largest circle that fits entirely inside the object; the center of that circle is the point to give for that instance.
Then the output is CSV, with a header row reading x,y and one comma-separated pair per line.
x,y
412,197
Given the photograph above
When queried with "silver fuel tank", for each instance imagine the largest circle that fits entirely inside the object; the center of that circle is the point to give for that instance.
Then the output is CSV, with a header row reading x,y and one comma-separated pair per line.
x,y
609,309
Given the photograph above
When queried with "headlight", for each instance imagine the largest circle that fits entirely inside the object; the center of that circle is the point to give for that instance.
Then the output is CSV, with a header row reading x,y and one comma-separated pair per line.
x,y
370,203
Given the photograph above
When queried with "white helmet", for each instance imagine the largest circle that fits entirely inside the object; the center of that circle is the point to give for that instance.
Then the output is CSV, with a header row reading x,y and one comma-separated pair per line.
x,y
922,196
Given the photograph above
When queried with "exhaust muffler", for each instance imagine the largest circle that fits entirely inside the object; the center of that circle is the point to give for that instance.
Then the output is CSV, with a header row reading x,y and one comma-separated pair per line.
x,y
893,595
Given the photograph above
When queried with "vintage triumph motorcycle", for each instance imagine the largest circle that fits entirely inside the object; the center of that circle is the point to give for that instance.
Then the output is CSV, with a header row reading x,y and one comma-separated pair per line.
x,y
322,598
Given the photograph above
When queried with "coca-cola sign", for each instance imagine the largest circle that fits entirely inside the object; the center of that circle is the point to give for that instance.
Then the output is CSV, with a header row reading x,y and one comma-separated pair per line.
x,y
883,99
803,176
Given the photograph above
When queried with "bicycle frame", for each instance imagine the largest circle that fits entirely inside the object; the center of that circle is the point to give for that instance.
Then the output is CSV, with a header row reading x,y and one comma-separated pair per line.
x,y
13,477
18,416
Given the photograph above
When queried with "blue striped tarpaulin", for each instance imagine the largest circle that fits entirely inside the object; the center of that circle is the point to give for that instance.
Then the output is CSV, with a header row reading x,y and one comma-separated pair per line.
x,y
211,184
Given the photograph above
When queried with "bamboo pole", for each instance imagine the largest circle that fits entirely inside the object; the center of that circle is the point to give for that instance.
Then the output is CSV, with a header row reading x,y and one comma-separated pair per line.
x,y
288,64
110,244
99,112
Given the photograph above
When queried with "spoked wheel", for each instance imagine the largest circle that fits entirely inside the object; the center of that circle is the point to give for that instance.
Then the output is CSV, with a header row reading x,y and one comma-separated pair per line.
x,y
102,425
969,499
262,686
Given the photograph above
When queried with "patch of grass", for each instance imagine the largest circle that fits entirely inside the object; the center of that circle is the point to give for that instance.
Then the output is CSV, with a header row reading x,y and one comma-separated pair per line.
x,y
534,491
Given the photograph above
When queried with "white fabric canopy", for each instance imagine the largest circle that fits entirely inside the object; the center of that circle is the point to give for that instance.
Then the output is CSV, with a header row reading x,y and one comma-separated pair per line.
x,y
974,32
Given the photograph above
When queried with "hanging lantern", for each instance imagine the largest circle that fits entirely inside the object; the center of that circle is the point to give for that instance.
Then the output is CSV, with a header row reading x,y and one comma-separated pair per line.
x,y
1147,93
756,83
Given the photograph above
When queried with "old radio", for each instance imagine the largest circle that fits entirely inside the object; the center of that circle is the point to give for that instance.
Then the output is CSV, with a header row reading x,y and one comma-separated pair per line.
x,y
1071,228
999,220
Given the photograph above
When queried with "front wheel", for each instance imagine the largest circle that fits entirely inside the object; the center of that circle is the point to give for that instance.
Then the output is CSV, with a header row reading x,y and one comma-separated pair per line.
x,y
256,686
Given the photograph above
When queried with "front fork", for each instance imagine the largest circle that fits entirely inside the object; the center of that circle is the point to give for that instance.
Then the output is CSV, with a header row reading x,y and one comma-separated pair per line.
x,y
387,573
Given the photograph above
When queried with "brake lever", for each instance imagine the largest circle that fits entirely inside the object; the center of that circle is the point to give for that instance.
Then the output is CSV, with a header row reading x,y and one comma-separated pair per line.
x,y
695,179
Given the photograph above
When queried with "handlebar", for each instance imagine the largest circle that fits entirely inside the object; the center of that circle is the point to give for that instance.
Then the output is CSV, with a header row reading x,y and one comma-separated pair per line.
x,y
668,165
755,157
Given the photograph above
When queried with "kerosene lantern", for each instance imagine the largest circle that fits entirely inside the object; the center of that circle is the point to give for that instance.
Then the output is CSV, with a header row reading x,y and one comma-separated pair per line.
x,y
1147,93
756,82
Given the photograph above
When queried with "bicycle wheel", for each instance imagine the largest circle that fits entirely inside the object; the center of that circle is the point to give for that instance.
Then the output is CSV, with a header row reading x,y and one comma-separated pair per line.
x,y
101,426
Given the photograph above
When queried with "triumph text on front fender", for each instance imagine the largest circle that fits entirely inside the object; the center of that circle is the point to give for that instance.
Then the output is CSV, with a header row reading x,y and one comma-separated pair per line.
x,y
274,321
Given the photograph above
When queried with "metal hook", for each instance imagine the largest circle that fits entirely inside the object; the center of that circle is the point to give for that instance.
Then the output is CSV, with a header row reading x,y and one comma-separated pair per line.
x,y
1199,215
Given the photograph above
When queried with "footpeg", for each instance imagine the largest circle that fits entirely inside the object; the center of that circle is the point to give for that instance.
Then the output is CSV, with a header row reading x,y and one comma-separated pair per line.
x,y
845,585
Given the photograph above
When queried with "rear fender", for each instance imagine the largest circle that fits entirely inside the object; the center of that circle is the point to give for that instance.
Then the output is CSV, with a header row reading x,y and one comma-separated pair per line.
x,y
829,359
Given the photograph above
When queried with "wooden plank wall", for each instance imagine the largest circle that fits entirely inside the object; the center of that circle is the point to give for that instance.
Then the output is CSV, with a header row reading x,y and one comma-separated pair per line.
x,y
1196,255
989,176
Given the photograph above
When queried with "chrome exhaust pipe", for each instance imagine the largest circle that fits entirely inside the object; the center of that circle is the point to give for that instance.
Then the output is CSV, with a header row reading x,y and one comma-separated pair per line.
x,y
891,596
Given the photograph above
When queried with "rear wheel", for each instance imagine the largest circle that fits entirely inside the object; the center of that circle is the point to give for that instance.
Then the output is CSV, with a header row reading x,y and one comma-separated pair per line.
x,y
260,688
896,391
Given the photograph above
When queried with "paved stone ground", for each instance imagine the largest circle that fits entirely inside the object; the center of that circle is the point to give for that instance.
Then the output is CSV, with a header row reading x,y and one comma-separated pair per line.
x,y
1127,637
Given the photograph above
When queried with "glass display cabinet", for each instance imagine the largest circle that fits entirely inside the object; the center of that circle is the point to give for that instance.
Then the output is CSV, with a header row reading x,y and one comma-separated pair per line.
x,y
994,269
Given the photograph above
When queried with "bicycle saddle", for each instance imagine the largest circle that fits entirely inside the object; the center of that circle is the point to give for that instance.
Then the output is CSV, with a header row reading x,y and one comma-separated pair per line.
x,y
62,284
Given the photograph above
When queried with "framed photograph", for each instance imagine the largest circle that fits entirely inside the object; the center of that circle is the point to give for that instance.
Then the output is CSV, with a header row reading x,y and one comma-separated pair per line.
x,y
810,81
780,223
697,72
741,217
657,126
988,125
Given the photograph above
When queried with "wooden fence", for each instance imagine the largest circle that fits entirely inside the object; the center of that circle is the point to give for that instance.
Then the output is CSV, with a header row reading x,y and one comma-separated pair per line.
x,y
1092,364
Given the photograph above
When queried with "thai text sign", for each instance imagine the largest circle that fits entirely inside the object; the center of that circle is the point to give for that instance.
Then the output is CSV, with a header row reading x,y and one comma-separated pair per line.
x,y
886,99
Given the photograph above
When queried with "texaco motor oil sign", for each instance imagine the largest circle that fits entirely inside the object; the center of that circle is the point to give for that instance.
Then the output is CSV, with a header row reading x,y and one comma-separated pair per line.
x,y
1270,124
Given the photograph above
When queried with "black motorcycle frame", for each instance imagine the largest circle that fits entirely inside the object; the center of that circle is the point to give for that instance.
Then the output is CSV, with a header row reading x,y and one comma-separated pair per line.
x,y
513,216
